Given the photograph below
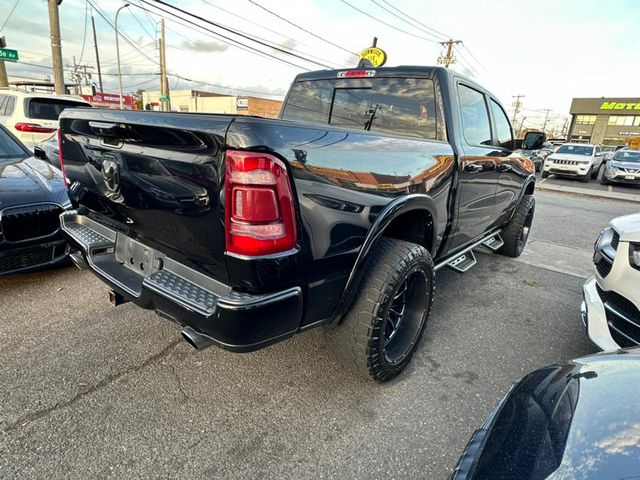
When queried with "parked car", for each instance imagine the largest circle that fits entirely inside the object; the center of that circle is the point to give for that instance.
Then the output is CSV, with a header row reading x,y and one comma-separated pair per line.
x,y
574,420
624,167
33,117
336,215
32,196
607,152
611,306
48,150
577,160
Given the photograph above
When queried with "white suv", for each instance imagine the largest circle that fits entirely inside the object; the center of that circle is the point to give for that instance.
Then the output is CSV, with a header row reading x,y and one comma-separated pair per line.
x,y
33,117
574,160
611,306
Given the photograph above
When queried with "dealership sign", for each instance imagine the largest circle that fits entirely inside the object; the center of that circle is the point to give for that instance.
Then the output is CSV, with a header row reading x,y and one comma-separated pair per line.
x,y
619,106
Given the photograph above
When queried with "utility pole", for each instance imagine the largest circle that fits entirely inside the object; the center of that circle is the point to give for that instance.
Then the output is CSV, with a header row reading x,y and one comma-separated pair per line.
x,y
546,117
448,58
165,101
4,80
516,106
564,128
118,52
56,47
95,44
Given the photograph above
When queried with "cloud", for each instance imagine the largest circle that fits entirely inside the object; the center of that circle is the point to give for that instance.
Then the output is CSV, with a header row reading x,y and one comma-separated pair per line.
x,y
204,46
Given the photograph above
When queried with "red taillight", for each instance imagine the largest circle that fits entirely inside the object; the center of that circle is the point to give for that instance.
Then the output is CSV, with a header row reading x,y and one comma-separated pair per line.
x,y
33,127
64,174
259,211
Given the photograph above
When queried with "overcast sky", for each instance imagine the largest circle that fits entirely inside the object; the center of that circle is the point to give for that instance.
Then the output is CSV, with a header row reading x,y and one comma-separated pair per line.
x,y
549,51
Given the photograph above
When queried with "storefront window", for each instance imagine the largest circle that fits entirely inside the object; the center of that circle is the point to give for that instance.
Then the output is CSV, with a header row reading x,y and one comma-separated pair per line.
x,y
626,120
586,119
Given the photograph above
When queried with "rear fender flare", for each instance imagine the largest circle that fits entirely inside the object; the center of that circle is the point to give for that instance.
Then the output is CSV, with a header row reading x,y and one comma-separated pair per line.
x,y
393,210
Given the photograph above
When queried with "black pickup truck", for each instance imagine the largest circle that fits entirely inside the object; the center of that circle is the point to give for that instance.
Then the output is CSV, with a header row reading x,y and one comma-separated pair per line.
x,y
248,230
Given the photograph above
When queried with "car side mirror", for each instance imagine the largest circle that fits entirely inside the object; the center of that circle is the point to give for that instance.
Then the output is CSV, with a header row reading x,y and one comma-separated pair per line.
x,y
39,153
534,140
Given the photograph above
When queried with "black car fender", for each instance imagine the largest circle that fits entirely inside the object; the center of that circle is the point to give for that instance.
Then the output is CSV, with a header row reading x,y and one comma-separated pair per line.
x,y
392,211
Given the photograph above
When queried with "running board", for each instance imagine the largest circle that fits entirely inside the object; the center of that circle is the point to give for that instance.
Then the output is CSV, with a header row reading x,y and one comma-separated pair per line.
x,y
463,260
494,243
463,263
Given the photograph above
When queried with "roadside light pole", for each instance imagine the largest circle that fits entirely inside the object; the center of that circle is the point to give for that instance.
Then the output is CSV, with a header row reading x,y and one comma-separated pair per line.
x,y
118,52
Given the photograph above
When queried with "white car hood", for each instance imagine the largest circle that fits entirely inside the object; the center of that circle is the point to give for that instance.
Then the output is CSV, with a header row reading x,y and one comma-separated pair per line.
x,y
628,227
569,156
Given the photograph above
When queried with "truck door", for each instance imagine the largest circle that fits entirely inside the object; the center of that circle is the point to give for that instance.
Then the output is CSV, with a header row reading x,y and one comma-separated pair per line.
x,y
477,185
511,168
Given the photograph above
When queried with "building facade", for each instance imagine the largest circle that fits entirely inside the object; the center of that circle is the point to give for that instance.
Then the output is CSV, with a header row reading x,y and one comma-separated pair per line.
x,y
210,102
604,121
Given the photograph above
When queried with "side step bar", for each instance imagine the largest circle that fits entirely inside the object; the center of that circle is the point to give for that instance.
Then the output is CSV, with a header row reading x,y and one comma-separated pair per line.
x,y
464,260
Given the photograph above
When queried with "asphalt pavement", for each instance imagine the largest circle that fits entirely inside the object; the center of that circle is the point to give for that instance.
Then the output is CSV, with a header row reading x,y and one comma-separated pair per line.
x,y
92,391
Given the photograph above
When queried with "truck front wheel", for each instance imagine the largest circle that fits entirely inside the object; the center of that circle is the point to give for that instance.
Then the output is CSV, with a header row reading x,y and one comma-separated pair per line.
x,y
381,331
516,233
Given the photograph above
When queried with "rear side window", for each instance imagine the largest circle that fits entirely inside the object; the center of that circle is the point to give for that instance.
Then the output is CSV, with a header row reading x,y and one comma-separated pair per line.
x,y
8,108
49,108
503,127
475,117
3,102
397,106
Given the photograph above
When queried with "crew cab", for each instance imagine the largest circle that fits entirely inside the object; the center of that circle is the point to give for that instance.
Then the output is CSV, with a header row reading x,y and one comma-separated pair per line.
x,y
611,306
247,230
577,160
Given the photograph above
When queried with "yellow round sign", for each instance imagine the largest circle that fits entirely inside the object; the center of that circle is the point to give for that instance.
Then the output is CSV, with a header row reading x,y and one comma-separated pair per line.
x,y
375,55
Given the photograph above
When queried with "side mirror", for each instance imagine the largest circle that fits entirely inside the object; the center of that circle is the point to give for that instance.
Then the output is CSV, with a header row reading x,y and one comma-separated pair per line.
x,y
534,140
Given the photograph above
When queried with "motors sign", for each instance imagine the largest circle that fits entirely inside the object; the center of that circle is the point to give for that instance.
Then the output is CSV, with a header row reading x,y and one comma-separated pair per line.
x,y
619,106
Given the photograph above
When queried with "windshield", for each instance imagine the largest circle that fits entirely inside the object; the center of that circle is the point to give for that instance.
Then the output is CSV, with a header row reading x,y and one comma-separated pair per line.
x,y
627,156
400,106
576,150
10,148
50,108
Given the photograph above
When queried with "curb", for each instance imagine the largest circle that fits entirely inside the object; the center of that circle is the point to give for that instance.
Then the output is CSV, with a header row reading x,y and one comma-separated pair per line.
x,y
627,197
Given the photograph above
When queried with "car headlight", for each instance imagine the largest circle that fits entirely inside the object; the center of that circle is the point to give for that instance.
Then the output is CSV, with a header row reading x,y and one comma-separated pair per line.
x,y
634,255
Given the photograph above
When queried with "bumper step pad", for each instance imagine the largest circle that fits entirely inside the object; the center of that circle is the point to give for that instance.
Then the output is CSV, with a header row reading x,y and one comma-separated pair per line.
x,y
183,291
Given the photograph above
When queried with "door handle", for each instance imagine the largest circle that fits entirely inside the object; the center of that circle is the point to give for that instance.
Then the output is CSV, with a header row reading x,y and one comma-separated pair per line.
x,y
473,168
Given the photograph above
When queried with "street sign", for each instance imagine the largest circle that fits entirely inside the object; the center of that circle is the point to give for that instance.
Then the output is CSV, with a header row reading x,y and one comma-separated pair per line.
x,y
9,55
164,98
376,56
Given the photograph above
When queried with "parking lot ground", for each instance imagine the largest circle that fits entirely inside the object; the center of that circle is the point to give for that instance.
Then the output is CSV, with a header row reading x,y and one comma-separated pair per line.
x,y
593,188
95,391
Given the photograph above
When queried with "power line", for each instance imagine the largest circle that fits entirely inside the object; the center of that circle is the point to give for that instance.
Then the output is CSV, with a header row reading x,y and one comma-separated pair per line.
x,y
385,23
84,34
303,29
152,37
122,34
277,33
10,13
238,33
227,40
406,21
417,21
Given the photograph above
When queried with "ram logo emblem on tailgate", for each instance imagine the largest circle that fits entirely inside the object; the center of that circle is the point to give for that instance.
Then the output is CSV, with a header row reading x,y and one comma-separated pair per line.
x,y
111,174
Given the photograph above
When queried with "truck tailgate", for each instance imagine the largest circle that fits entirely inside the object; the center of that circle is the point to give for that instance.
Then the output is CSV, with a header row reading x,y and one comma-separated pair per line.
x,y
154,176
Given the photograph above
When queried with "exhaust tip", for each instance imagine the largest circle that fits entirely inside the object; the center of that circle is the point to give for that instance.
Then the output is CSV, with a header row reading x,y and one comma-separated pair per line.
x,y
196,339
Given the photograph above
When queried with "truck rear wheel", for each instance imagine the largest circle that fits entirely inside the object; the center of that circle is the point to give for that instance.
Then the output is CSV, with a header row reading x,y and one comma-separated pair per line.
x,y
516,233
381,331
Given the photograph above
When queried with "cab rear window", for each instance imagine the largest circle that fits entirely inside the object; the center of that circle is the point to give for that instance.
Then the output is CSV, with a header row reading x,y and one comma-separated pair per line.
x,y
49,108
397,106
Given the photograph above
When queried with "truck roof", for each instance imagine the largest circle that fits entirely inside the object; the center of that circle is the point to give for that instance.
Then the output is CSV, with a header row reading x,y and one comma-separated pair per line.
x,y
399,71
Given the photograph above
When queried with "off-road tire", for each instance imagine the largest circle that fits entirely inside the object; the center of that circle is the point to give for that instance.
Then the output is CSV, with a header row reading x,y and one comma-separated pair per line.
x,y
359,340
545,174
587,176
595,173
603,179
513,234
